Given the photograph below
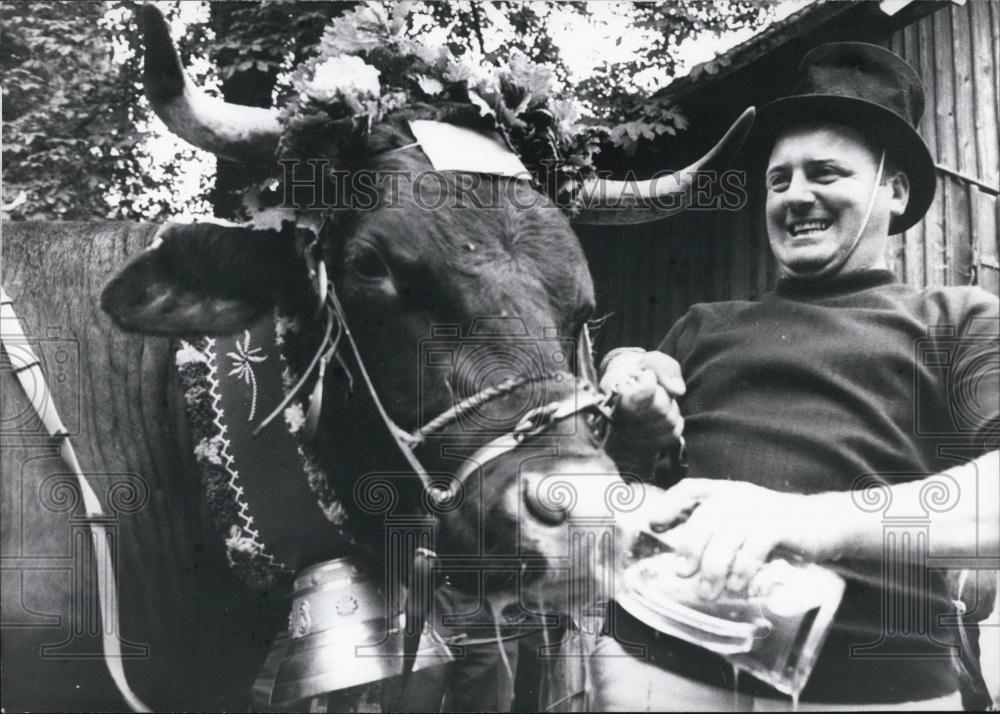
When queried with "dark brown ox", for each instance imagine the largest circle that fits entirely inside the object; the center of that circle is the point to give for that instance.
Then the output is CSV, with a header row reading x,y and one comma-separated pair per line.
x,y
399,272
491,254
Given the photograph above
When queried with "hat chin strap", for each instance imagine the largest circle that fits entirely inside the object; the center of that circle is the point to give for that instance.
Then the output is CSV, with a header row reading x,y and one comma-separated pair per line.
x,y
864,223
868,211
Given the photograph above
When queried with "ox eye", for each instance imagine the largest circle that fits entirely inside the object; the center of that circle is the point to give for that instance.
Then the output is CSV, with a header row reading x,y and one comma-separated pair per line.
x,y
369,264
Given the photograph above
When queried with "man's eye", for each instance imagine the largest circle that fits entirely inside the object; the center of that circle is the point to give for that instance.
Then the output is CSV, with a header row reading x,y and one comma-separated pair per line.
x,y
777,183
826,173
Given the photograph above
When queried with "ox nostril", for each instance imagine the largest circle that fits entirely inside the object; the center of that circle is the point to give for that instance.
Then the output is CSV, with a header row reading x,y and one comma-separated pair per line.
x,y
546,505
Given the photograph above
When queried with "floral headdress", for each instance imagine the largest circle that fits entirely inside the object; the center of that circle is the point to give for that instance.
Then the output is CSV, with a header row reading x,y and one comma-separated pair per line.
x,y
367,69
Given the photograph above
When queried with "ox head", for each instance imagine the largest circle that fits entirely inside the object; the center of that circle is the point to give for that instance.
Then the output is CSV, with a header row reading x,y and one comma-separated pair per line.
x,y
481,261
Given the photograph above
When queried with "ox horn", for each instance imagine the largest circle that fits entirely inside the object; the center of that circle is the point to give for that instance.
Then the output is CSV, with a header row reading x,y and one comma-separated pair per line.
x,y
605,201
245,134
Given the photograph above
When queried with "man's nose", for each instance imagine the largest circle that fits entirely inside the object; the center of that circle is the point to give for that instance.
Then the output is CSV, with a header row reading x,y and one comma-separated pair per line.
x,y
800,191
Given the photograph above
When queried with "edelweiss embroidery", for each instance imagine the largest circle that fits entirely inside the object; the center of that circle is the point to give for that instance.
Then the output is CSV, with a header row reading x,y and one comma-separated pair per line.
x,y
244,359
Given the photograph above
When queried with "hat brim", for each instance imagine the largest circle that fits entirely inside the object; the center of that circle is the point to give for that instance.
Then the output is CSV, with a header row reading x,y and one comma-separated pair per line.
x,y
901,141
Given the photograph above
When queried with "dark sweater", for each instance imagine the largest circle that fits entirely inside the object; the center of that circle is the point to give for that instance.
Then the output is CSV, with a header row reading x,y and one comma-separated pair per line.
x,y
819,385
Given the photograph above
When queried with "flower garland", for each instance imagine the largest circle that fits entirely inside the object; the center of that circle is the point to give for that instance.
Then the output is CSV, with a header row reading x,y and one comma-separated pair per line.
x,y
367,69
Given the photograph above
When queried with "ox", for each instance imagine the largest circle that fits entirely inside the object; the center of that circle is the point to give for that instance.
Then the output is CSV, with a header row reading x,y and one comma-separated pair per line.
x,y
396,272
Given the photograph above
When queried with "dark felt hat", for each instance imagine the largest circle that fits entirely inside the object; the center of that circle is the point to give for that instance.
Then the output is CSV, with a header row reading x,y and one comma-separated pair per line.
x,y
871,89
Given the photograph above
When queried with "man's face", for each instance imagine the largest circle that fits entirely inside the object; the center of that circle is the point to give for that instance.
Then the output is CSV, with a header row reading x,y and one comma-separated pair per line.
x,y
820,179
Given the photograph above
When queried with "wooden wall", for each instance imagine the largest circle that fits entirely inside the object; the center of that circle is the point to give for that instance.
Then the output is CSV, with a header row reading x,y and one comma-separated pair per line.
x,y
955,52
647,276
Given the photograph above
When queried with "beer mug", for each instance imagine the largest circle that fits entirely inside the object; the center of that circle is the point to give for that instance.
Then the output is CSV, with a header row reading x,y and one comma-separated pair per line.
x,y
774,630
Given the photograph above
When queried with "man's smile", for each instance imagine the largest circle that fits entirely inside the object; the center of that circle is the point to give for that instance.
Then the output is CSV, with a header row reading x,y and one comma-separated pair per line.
x,y
808,228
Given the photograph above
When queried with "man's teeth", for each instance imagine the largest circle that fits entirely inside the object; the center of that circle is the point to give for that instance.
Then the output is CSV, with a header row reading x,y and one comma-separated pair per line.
x,y
808,226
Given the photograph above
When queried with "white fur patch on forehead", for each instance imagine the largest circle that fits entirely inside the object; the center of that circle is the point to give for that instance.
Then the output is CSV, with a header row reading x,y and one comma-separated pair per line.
x,y
454,148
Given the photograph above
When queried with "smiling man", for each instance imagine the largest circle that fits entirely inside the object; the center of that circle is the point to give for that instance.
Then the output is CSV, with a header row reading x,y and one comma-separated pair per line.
x,y
830,197
790,405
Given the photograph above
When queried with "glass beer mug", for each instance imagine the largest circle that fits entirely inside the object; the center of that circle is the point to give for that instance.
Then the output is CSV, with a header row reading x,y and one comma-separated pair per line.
x,y
774,630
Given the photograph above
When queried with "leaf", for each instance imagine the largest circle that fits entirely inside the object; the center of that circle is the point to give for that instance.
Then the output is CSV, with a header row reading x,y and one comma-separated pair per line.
x,y
429,86
484,108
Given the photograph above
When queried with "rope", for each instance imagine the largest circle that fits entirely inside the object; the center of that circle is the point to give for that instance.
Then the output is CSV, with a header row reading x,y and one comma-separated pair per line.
x,y
476,401
503,653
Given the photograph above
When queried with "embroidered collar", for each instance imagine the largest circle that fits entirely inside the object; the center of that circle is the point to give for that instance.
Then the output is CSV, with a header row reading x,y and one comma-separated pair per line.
x,y
252,485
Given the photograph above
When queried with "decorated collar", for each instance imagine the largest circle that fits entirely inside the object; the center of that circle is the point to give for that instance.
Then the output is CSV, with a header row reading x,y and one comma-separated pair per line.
x,y
252,485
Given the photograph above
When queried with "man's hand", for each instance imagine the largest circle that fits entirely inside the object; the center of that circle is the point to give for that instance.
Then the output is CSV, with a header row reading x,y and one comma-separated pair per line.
x,y
725,530
647,418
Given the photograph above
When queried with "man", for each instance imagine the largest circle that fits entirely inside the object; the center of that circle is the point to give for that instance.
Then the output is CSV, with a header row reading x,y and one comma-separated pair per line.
x,y
791,403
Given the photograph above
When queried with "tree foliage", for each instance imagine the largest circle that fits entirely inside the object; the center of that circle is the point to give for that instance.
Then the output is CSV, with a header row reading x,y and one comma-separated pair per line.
x,y
73,115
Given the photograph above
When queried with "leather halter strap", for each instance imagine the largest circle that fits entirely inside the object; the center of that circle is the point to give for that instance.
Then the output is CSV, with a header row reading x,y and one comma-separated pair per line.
x,y
535,423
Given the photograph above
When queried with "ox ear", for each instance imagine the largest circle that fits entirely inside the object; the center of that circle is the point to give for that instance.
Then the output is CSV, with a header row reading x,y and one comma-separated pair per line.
x,y
206,279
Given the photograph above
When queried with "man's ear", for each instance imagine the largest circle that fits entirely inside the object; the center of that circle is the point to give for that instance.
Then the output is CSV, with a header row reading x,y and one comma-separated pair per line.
x,y
206,279
900,185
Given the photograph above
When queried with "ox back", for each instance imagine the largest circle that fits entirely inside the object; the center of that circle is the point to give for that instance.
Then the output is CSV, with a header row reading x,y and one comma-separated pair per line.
x,y
192,635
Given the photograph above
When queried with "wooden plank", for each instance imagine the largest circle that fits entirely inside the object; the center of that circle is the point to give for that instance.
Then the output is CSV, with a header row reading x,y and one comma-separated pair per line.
x,y
931,229
715,232
947,150
960,229
644,299
627,282
616,289
985,211
687,294
989,279
985,76
759,246
913,239
896,42
897,256
662,318
739,253
598,244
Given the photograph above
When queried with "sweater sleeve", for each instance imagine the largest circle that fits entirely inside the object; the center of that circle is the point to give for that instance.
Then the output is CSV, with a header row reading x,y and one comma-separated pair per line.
x,y
974,379
680,339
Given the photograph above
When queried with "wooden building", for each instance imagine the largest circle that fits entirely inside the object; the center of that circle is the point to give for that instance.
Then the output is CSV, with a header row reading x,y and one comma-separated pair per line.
x,y
647,276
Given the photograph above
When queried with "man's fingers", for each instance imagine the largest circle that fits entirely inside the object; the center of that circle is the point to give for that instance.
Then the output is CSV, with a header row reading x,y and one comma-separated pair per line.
x,y
748,561
667,371
644,402
676,504
638,393
717,559
689,540
621,369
